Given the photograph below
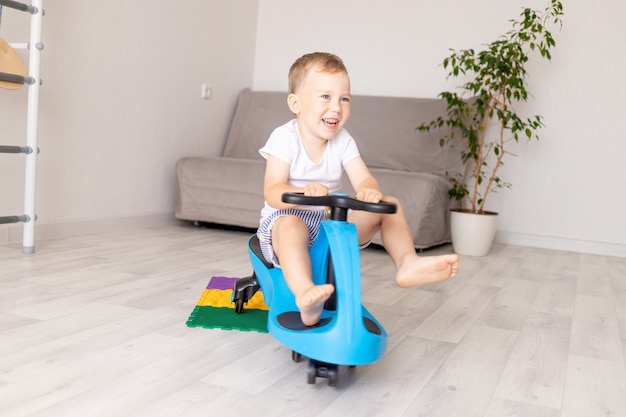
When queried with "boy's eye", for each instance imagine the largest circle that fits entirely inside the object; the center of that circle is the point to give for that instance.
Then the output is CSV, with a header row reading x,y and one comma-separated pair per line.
x,y
343,99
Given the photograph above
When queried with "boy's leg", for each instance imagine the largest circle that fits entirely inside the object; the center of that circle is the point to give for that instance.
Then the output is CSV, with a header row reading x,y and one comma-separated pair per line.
x,y
290,241
396,237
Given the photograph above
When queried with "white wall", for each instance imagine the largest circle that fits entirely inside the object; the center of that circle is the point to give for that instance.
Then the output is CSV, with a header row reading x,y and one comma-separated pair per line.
x,y
568,187
120,103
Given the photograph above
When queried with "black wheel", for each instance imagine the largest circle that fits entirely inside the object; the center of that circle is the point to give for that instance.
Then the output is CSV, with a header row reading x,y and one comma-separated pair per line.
x,y
311,374
295,356
239,306
332,377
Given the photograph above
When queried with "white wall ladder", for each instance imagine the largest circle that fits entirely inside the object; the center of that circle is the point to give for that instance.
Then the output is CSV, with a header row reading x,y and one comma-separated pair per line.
x,y
31,149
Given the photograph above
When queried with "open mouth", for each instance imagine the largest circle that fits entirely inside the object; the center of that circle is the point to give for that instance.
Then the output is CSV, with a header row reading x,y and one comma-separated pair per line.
x,y
330,122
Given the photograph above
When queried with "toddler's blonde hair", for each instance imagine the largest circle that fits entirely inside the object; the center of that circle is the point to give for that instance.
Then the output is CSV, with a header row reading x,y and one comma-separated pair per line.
x,y
321,61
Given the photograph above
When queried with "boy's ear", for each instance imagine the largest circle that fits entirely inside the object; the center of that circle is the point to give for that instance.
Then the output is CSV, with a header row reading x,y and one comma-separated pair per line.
x,y
293,103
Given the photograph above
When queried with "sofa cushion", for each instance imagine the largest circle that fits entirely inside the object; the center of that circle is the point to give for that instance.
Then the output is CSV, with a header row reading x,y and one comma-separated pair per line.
x,y
425,201
220,190
256,116
384,129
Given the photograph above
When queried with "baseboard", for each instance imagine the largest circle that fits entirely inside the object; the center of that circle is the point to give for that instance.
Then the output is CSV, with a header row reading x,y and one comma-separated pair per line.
x,y
14,233
568,245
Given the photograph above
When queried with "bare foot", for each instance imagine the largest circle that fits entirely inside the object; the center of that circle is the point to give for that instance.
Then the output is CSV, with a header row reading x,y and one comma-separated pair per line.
x,y
416,270
311,303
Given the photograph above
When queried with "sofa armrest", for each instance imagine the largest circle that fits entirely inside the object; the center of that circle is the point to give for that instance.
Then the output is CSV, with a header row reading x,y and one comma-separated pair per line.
x,y
220,190
425,201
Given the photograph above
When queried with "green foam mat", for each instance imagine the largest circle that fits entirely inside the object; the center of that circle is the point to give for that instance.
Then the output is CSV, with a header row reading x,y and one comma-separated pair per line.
x,y
215,311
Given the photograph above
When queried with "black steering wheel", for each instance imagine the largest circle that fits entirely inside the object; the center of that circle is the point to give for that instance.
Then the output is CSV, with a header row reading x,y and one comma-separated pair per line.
x,y
339,204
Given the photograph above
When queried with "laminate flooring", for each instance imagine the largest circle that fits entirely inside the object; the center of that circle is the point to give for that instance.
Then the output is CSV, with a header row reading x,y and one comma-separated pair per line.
x,y
94,325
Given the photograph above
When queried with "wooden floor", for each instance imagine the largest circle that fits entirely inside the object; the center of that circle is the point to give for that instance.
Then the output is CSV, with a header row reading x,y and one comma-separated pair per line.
x,y
95,326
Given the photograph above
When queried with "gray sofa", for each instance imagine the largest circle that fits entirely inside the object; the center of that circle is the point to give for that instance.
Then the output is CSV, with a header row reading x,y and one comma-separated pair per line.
x,y
408,164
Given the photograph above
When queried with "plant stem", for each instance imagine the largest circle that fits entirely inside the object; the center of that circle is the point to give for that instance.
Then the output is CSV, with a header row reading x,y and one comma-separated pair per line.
x,y
500,154
479,153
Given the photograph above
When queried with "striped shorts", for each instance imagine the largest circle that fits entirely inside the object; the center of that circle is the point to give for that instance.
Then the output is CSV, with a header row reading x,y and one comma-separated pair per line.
x,y
312,218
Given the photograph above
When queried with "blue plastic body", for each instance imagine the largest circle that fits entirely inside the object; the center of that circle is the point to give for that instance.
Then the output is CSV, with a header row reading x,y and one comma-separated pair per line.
x,y
350,335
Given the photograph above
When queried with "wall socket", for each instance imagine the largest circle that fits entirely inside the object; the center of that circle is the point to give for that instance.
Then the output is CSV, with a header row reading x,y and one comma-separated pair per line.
x,y
207,92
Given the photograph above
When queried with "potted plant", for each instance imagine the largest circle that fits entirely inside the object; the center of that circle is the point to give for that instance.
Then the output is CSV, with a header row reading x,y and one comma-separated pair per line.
x,y
482,117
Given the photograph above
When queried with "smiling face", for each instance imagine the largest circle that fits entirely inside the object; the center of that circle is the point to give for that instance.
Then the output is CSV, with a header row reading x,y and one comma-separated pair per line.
x,y
321,103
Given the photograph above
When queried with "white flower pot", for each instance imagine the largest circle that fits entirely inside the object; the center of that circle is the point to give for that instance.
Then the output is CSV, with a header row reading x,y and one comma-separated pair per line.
x,y
472,234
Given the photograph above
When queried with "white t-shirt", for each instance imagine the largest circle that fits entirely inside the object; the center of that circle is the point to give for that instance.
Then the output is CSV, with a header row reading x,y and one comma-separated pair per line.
x,y
285,144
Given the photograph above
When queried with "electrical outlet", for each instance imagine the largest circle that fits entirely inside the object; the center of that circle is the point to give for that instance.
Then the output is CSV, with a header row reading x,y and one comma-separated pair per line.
x,y
207,92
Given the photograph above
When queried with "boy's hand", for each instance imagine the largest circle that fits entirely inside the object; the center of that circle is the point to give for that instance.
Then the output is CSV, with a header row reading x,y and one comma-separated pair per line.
x,y
369,195
315,190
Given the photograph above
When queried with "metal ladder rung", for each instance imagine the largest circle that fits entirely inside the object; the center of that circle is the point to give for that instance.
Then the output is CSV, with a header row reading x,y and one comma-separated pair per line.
x,y
14,78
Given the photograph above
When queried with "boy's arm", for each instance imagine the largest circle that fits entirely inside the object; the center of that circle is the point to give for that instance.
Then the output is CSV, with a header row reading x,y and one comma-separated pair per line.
x,y
276,184
363,182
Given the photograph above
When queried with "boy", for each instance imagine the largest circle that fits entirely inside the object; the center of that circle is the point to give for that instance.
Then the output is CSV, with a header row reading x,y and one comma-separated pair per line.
x,y
308,154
